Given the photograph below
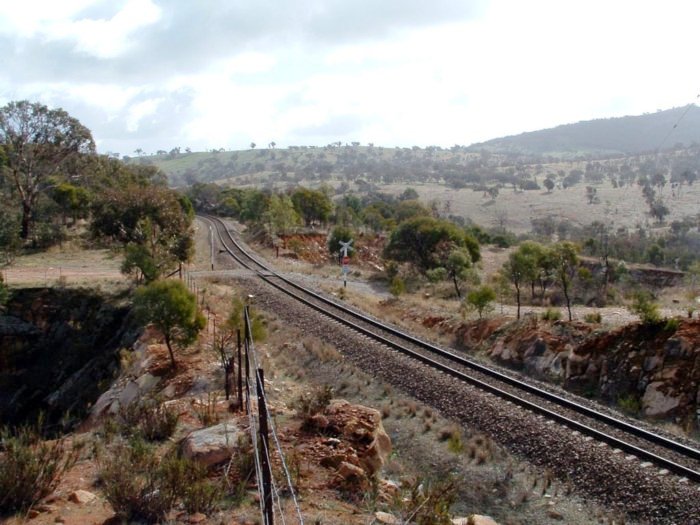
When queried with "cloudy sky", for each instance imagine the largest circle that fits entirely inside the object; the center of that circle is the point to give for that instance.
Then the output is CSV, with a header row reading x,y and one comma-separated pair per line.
x,y
156,74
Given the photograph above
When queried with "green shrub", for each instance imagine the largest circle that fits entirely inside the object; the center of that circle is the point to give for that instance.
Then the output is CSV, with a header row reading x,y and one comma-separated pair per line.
x,y
593,318
309,404
672,324
480,300
397,286
158,423
29,467
629,404
148,418
141,487
644,306
551,314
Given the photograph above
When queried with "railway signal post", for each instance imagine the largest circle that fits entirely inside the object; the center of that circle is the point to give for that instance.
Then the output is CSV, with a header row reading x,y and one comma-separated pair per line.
x,y
344,247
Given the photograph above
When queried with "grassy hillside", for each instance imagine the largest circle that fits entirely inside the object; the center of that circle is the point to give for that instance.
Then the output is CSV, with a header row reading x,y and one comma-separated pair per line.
x,y
613,136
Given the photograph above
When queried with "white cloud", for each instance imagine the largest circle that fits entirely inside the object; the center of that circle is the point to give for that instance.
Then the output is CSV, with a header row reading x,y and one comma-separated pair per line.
x,y
59,21
241,72
140,111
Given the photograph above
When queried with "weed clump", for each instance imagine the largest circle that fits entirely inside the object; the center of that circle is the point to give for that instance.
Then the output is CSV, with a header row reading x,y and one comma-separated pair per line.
x,y
147,418
141,487
29,467
309,404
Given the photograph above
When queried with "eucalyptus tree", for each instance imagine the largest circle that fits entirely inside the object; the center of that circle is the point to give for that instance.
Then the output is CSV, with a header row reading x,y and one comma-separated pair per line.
x,y
37,142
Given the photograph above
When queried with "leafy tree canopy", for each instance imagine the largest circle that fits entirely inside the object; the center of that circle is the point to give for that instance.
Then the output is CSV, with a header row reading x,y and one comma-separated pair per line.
x,y
172,309
417,241
37,142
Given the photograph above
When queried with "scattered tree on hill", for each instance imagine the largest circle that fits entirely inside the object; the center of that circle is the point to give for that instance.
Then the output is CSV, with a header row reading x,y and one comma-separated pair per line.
x,y
458,263
565,263
517,269
549,184
417,241
313,206
592,195
409,194
37,141
154,221
73,201
281,217
172,309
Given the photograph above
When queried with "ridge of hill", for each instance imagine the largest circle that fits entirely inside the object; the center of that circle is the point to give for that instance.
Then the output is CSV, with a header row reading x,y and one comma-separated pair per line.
x,y
623,140
610,136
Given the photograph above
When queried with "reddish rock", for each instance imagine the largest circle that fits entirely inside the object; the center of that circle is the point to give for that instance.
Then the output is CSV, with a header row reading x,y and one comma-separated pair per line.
x,y
81,497
197,517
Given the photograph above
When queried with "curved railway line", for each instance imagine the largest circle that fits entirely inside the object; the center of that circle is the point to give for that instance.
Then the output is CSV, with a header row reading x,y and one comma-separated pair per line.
x,y
673,456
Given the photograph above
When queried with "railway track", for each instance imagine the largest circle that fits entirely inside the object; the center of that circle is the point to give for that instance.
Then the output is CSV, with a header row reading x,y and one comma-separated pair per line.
x,y
673,456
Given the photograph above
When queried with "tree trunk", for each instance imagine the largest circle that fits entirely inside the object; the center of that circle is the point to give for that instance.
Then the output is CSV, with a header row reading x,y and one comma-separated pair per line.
x,y
26,218
454,280
565,289
517,299
170,349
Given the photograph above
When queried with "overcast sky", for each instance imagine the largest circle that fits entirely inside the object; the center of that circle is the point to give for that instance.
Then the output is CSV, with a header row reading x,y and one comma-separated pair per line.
x,y
156,74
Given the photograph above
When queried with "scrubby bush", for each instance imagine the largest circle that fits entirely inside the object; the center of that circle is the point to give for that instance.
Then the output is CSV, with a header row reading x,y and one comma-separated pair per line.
x,y
397,286
480,300
644,306
593,318
309,404
147,418
29,467
142,487
551,314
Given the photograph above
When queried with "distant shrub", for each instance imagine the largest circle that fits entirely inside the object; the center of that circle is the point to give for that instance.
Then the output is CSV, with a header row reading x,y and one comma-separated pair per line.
x,y
480,300
672,324
551,314
644,306
593,318
629,404
397,286
29,467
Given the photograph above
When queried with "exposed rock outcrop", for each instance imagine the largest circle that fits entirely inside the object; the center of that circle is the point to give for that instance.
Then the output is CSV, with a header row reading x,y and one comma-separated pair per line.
x,y
58,351
654,369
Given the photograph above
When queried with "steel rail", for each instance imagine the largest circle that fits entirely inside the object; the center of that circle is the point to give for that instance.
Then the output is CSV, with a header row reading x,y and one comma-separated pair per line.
x,y
553,398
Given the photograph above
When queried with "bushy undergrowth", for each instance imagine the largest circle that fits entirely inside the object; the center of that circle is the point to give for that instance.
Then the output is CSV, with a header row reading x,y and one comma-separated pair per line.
x,y
309,404
148,418
29,467
142,487
551,314
644,306
593,318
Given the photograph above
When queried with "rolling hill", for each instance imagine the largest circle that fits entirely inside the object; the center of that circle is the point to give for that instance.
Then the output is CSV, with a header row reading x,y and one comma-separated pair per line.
x,y
603,137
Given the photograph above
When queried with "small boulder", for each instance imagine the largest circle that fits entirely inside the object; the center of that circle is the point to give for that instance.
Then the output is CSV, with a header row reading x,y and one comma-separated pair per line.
x,y
197,517
81,497
348,472
385,517
478,519
656,403
212,445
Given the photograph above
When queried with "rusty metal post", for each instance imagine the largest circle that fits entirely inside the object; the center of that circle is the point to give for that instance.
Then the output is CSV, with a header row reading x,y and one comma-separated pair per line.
x,y
265,443
246,344
240,368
